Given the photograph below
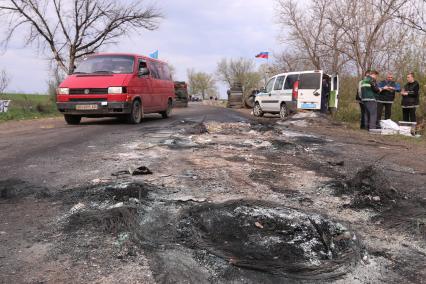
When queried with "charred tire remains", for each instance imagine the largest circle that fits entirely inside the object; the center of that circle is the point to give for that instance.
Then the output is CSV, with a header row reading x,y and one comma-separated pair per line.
x,y
271,239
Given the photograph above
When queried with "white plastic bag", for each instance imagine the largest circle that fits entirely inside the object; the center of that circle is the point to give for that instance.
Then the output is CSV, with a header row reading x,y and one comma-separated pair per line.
x,y
389,125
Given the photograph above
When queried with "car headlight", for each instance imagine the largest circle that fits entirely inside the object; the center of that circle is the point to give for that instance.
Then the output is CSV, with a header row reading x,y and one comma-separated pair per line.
x,y
115,90
63,91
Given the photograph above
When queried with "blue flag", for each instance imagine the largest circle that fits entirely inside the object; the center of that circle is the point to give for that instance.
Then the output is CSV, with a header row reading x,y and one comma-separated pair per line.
x,y
154,55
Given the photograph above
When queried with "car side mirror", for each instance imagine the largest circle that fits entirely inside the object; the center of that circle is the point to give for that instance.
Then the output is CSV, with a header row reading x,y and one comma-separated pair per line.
x,y
263,90
143,72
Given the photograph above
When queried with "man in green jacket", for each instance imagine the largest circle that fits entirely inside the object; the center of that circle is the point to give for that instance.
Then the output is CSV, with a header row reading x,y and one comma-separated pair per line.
x,y
359,100
369,92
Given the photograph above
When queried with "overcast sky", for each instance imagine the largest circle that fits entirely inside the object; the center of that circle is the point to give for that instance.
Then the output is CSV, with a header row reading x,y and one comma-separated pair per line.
x,y
193,34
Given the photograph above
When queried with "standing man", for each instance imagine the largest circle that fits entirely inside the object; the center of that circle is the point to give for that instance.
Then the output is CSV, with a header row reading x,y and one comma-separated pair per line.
x,y
369,92
386,97
410,99
324,95
359,100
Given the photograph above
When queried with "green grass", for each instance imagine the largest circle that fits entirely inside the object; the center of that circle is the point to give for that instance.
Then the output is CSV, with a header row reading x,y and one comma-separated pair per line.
x,y
27,106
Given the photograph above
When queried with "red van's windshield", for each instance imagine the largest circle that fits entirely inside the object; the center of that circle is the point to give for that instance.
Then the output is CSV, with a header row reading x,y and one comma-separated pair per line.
x,y
109,64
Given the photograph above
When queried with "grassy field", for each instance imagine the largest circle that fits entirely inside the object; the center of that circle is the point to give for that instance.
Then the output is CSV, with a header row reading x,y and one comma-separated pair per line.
x,y
25,106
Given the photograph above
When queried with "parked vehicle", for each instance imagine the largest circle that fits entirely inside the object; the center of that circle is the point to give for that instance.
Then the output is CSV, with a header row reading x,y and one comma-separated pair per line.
x,y
118,85
286,93
235,96
181,91
196,98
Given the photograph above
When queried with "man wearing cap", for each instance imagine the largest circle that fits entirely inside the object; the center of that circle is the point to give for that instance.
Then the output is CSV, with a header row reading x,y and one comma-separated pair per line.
x,y
369,92
359,100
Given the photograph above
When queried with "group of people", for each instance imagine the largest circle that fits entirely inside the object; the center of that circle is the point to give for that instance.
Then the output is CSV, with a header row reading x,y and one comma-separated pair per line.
x,y
375,97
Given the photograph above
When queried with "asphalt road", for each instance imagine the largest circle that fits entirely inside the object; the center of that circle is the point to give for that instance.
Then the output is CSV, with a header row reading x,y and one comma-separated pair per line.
x,y
49,152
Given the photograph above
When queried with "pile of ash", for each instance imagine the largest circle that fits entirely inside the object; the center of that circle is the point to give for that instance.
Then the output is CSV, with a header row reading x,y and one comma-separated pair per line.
x,y
370,188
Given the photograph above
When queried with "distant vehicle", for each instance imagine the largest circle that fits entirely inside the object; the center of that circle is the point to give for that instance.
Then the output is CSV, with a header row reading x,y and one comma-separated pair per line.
x,y
235,96
196,99
286,93
117,85
181,91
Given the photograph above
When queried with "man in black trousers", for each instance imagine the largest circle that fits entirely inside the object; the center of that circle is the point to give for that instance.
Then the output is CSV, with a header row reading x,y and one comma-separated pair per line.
x,y
386,97
369,93
410,99
359,100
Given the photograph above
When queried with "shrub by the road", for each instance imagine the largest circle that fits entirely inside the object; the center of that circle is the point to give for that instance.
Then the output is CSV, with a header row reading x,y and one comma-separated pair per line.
x,y
28,106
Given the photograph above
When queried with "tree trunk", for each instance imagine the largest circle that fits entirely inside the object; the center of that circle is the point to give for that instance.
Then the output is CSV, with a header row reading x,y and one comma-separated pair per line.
x,y
71,66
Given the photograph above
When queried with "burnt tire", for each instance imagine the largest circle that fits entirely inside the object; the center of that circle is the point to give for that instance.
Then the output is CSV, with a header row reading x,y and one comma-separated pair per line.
x,y
136,113
168,111
72,119
257,110
284,112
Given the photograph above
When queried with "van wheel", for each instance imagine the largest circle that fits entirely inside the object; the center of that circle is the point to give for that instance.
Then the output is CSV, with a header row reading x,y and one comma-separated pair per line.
x,y
257,110
136,114
72,119
168,111
284,111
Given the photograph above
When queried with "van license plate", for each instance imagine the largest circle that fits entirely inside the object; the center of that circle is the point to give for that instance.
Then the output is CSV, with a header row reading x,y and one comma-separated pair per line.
x,y
309,105
86,107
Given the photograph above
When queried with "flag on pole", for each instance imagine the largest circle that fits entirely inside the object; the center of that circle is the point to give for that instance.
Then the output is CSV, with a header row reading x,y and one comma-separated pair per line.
x,y
154,55
264,55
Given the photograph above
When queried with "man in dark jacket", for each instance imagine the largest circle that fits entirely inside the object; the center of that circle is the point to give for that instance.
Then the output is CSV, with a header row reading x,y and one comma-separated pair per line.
x,y
386,97
359,100
369,92
410,99
324,95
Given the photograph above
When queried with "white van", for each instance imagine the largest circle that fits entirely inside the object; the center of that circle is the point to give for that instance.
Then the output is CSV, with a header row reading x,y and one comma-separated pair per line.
x,y
287,92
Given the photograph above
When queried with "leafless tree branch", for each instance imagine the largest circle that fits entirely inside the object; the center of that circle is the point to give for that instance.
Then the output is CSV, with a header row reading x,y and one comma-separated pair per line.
x,y
71,29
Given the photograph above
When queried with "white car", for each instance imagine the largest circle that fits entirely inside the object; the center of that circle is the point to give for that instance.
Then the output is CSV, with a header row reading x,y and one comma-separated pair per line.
x,y
287,92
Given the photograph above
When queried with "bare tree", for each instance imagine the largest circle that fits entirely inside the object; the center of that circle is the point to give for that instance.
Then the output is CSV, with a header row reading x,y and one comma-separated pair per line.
x,y
414,15
4,81
369,32
56,76
239,71
305,28
69,30
201,83
315,41
291,60
337,35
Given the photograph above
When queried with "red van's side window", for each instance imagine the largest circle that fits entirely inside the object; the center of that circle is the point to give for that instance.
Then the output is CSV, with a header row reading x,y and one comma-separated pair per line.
x,y
154,70
160,71
166,72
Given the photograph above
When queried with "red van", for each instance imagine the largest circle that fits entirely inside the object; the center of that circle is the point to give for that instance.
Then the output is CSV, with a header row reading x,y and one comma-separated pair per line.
x,y
119,85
